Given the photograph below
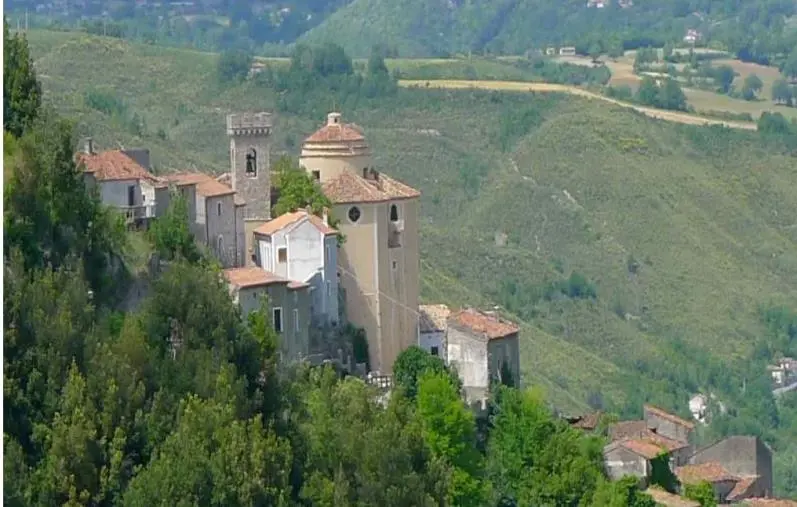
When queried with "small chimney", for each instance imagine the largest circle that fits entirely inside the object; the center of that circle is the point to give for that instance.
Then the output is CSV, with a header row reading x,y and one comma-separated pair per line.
x,y
88,148
325,216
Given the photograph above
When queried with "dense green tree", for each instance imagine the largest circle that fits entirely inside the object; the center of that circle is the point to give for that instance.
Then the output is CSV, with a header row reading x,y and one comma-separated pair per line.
x,y
723,77
297,189
790,65
412,363
751,87
525,451
170,234
234,66
622,493
21,91
671,96
782,92
702,493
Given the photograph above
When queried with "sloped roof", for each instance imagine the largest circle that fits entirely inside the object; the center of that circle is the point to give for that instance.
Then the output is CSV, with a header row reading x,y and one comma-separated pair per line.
x,y
206,184
335,133
587,421
490,325
114,165
254,276
769,502
711,471
667,499
288,219
742,486
349,187
670,417
627,429
642,447
433,317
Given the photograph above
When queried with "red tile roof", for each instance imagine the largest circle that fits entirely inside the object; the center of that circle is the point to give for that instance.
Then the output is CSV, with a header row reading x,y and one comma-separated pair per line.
x,y
769,502
742,487
627,429
282,221
587,421
710,472
254,276
670,417
349,187
206,185
114,165
490,325
644,448
335,133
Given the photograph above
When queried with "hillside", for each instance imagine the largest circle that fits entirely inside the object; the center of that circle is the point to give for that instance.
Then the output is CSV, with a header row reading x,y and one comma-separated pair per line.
x,y
685,233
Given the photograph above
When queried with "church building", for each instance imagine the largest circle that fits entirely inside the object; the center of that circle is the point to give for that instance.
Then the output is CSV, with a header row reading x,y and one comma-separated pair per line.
x,y
379,262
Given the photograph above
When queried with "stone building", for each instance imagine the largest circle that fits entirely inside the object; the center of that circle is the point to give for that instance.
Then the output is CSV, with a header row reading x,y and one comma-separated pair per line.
x,y
250,169
289,303
219,217
379,262
483,348
301,246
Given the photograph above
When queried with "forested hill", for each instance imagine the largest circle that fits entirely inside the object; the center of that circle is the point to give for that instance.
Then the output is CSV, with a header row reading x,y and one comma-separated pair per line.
x,y
761,30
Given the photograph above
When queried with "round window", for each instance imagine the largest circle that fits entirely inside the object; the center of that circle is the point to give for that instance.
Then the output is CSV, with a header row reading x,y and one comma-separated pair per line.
x,y
354,213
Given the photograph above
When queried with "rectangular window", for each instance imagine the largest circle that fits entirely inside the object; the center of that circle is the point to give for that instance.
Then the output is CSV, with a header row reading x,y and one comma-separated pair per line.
x,y
131,195
282,254
218,208
277,319
329,289
316,175
296,320
435,351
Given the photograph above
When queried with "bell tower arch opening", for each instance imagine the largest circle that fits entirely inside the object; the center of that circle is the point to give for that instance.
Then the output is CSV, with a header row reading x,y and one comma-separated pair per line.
x,y
250,143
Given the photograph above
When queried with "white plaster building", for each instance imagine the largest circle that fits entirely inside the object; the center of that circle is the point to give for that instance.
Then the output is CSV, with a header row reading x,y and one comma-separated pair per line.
x,y
301,246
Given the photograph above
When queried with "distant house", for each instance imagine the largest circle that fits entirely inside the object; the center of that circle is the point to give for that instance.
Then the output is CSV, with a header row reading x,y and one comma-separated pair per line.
x,y
123,180
662,429
567,51
784,372
738,467
692,36
484,348
289,303
598,4
219,217
301,246
630,457
698,406
586,422
432,328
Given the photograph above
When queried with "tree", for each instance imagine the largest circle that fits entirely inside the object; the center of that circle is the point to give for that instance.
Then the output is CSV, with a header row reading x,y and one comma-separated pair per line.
x,y
724,76
297,190
671,96
790,66
412,363
449,431
170,235
648,92
376,63
781,92
534,459
702,492
595,51
752,85
622,493
234,66
21,90
773,123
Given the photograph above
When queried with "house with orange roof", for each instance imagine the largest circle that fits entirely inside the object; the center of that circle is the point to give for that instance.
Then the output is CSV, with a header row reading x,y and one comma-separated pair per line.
x,y
218,214
484,348
288,303
301,246
379,263
631,457
123,180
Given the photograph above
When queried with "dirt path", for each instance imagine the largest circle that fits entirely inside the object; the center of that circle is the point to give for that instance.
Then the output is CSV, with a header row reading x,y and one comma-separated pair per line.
x,y
661,114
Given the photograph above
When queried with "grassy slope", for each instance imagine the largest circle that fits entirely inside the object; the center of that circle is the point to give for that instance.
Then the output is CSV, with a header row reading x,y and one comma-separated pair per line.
x,y
712,219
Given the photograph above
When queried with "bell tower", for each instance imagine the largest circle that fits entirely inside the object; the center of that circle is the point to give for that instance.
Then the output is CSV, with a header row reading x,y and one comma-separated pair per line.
x,y
250,167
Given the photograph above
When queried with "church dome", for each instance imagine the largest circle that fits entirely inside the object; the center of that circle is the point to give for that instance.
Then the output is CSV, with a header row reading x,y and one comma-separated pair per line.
x,y
336,139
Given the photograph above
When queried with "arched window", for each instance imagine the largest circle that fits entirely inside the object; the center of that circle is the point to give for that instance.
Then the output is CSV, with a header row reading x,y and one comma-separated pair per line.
x,y
354,214
220,244
251,163
393,213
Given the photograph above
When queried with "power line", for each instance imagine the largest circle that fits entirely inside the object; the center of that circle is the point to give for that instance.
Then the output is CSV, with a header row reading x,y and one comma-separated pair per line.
x,y
380,293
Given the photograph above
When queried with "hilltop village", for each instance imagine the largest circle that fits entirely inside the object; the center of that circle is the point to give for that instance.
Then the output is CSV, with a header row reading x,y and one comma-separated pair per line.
x,y
355,268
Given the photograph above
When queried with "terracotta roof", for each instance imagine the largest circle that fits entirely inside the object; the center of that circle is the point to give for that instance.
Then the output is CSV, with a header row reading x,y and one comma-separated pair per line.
x,y
670,417
206,184
349,187
644,448
710,472
114,165
627,429
433,317
288,219
225,178
478,321
769,502
252,277
341,132
742,486
667,443
662,497
587,421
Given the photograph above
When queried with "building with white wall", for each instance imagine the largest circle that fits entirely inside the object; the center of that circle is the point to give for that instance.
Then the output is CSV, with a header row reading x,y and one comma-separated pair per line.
x,y
303,247
432,324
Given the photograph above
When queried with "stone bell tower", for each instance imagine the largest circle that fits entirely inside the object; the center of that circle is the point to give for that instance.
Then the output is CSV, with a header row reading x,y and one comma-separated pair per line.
x,y
250,168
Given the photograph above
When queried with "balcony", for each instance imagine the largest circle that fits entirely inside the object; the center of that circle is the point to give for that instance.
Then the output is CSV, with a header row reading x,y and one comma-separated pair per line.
x,y
135,213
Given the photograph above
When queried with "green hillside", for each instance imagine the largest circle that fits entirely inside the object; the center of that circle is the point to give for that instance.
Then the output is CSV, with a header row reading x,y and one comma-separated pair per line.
x,y
530,201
